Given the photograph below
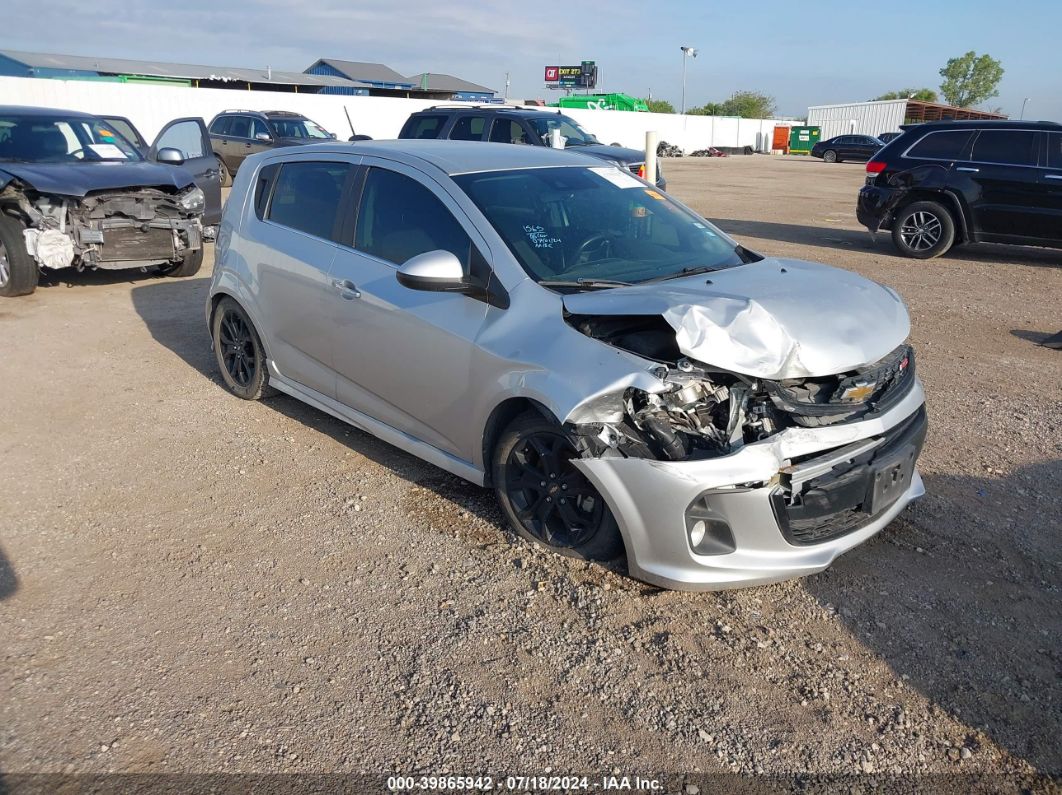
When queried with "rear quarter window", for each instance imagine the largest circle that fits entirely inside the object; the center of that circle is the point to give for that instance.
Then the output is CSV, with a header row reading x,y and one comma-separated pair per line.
x,y
942,145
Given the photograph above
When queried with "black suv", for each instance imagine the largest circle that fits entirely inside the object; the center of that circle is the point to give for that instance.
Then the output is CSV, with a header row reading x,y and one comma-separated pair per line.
x,y
942,183
516,125
235,134
846,147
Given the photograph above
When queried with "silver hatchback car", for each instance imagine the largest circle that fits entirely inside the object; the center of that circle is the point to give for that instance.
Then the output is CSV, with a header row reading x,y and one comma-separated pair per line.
x,y
625,376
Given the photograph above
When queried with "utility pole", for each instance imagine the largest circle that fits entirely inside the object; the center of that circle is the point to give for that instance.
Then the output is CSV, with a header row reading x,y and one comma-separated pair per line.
x,y
687,52
506,85
1022,116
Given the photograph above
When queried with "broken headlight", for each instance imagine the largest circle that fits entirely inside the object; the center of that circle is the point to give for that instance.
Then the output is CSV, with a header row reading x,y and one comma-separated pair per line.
x,y
193,200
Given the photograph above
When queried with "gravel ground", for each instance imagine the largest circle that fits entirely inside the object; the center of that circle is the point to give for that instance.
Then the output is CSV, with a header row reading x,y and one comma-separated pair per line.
x,y
193,583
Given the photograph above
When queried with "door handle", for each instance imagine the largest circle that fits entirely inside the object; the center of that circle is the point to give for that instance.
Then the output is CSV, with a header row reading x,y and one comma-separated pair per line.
x,y
346,288
967,168
1053,176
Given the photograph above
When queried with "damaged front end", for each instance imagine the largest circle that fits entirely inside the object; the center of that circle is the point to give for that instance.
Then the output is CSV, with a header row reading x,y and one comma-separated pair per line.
x,y
703,412
111,229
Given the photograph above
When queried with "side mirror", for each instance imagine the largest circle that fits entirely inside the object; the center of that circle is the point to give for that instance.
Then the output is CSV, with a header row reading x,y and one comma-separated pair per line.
x,y
174,157
433,271
264,137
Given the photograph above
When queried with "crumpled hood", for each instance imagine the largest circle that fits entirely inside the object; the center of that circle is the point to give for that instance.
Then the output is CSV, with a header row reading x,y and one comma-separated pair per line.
x,y
773,319
78,179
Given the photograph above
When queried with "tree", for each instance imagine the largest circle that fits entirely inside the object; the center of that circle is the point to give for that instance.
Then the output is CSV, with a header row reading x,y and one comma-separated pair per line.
x,y
749,105
708,109
921,94
659,106
970,79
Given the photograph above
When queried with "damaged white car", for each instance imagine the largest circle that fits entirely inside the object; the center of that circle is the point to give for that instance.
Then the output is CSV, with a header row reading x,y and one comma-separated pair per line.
x,y
625,376
75,193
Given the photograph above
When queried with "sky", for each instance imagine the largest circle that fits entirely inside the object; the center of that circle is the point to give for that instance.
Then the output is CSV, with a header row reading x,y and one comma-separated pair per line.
x,y
814,53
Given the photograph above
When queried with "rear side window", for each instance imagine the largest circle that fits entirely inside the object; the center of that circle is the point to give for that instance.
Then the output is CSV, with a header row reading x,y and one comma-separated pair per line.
x,y
220,126
1054,150
423,127
508,131
468,128
240,127
400,218
947,145
1010,147
306,196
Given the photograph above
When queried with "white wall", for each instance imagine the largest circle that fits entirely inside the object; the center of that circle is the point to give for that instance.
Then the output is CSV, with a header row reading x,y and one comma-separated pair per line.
x,y
862,118
151,106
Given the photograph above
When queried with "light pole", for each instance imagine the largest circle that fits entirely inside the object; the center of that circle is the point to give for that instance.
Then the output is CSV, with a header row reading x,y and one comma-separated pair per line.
x,y
1022,116
687,52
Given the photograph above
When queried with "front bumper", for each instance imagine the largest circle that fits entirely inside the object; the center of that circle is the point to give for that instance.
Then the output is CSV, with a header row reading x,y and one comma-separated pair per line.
x,y
874,206
649,499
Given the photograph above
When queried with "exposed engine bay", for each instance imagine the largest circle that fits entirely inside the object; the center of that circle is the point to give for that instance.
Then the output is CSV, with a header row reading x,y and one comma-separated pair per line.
x,y
704,412
122,228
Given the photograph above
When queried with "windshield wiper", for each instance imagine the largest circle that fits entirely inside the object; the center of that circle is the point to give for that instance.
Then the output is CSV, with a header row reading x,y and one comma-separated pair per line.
x,y
585,283
697,269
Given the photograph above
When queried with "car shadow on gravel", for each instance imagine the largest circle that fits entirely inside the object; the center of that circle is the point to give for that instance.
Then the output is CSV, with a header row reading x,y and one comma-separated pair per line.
x,y
8,580
861,240
960,598
173,311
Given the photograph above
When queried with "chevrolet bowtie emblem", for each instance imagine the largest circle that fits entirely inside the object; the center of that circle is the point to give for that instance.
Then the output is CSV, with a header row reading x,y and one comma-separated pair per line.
x,y
858,393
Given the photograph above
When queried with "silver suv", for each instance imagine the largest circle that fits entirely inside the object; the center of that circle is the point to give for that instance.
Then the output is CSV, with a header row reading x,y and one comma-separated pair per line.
x,y
625,376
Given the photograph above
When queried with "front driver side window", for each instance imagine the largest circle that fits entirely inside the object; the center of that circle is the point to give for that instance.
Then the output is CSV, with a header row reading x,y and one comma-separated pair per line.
x,y
399,218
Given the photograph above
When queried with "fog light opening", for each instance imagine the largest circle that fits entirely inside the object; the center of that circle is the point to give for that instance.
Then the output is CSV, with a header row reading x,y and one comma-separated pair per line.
x,y
708,533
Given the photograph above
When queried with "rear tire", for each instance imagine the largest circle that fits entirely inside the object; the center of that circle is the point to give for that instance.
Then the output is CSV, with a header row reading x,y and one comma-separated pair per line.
x,y
223,170
18,270
830,156
188,266
239,352
923,230
545,498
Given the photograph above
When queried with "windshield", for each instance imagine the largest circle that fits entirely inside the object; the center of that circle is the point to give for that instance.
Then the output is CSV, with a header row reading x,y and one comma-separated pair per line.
x,y
570,131
61,139
298,128
595,223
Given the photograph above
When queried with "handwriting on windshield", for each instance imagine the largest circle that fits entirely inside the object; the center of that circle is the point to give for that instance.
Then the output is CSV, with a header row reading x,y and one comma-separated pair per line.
x,y
539,237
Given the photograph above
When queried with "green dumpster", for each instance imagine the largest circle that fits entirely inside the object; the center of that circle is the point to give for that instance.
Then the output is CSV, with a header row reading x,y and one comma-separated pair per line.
x,y
801,139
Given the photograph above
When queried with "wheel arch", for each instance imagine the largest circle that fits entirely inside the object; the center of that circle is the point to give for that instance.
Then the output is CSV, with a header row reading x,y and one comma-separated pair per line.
x,y
499,419
216,299
948,200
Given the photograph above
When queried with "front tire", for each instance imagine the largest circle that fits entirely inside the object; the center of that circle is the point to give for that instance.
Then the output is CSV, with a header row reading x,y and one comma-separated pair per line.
x,y
188,266
923,230
238,351
545,498
830,156
18,270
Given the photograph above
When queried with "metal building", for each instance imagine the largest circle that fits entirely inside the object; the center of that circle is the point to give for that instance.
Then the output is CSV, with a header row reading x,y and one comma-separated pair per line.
x,y
874,118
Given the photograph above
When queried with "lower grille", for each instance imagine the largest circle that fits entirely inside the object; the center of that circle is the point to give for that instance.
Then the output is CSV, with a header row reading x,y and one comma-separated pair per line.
x,y
828,495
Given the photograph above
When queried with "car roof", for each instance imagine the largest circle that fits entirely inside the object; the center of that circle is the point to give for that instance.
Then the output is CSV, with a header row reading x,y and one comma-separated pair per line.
x,y
454,157
26,110
974,124
536,110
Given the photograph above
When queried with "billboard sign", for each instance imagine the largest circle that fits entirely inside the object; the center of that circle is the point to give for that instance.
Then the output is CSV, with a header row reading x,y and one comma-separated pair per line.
x,y
582,76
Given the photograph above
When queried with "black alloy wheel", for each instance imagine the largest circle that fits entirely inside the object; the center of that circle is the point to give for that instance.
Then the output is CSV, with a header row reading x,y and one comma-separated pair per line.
x,y
239,351
546,498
